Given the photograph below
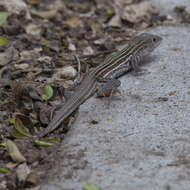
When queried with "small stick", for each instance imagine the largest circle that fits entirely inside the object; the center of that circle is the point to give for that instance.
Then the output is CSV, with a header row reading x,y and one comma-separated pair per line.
x,y
77,80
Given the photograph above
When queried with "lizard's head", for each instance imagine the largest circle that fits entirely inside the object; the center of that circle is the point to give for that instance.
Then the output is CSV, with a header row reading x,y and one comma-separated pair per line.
x,y
148,41
145,43
152,40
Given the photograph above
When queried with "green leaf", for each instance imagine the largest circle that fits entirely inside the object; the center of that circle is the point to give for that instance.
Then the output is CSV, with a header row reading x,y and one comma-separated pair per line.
x,y
42,143
16,134
52,139
12,120
19,131
90,187
3,41
109,118
110,12
4,170
3,145
20,128
3,17
4,102
48,92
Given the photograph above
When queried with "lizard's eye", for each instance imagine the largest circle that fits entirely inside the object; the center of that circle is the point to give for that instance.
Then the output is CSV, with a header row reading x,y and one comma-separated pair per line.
x,y
154,40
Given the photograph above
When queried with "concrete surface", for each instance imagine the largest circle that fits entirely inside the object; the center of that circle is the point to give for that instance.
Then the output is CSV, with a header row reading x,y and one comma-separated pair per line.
x,y
168,5
142,139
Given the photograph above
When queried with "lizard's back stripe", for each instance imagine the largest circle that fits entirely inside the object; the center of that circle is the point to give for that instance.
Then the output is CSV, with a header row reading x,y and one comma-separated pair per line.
x,y
117,59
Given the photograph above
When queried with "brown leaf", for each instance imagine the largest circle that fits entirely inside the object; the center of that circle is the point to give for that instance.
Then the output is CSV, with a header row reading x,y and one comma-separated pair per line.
x,y
73,22
123,3
136,13
15,7
44,14
43,112
32,179
6,57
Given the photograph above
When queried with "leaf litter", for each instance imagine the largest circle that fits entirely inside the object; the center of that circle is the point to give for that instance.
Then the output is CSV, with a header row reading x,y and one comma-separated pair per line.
x,y
38,41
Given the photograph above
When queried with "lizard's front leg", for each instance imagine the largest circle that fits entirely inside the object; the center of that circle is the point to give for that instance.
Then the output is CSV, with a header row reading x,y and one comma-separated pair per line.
x,y
134,61
108,88
68,91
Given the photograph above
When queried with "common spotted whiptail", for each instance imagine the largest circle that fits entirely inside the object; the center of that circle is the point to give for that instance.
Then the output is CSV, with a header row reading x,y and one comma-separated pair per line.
x,y
113,67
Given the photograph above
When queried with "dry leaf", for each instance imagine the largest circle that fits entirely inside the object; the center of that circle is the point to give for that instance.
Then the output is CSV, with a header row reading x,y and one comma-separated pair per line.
x,y
44,14
32,179
30,54
33,29
73,22
22,172
14,152
15,6
138,12
71,47
67,72
6,57
96,27
11,165
115,21
122,3
22,66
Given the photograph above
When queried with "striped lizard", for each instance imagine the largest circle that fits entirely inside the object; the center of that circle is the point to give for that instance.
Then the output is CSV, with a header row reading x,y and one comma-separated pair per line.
x,y
115,65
